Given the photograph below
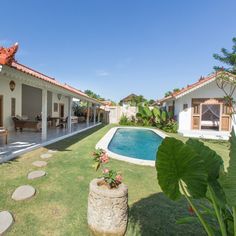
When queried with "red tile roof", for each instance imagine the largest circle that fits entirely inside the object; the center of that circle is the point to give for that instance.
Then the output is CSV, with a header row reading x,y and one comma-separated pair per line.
x,y
195,85
7,58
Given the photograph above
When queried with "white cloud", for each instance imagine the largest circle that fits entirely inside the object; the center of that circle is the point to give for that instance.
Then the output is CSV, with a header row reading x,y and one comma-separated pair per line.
x,y
102,73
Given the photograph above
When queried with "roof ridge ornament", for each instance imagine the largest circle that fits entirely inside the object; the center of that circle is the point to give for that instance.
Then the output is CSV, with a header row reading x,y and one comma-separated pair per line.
x,y
7,55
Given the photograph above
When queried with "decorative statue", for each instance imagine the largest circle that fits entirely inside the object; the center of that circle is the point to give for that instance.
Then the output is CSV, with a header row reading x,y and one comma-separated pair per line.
x,y
7,55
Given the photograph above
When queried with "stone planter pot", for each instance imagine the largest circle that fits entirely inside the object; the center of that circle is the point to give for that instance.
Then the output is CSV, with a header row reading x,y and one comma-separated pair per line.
x,y
107,209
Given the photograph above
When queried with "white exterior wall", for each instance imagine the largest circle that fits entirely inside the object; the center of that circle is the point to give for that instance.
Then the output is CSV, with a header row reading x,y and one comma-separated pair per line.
x,y
17,94
7,95
64,100
116,112
184,116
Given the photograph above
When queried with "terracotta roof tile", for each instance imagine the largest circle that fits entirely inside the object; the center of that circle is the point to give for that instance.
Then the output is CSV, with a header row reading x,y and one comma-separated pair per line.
x,y
200,82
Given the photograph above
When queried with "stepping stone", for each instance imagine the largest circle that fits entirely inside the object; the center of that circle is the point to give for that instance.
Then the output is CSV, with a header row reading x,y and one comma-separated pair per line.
x,y
39,163
52,151
23,192
36,174
46,156
6,220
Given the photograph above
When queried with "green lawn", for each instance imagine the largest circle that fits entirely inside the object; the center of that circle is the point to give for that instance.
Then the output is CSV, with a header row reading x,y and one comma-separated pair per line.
x,y
60,205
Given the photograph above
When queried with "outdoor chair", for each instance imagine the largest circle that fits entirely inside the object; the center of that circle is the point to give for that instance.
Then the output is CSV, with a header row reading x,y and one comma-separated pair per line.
x,y
63,122
25,124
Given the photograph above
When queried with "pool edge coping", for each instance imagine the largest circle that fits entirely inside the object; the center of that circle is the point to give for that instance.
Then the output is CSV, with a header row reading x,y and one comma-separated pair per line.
x,y
103,143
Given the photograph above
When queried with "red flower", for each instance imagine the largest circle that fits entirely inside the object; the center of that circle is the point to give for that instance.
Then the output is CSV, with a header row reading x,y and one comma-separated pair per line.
x,y
104,158
119,178
105,171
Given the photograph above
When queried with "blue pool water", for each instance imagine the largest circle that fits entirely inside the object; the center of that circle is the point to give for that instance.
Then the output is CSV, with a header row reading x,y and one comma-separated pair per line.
x,y
135,143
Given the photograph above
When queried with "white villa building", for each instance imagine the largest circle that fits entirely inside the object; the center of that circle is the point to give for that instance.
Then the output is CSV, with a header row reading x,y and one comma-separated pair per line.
x,y
37,109
201,110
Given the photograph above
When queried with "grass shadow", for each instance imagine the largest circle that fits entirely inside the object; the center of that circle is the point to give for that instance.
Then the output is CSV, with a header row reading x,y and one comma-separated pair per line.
x,y
64,144
157,215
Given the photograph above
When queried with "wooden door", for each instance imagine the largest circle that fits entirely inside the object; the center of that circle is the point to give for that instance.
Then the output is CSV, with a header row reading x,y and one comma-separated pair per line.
x,y
61,110
225,118
1,110
196,114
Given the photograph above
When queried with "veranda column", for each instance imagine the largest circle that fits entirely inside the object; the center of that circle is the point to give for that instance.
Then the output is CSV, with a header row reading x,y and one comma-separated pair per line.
x,y
94,114
88,111
99,111
44,113
69,113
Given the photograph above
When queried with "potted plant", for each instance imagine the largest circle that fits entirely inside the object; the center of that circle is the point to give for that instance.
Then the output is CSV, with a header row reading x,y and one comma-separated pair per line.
x,y
108,200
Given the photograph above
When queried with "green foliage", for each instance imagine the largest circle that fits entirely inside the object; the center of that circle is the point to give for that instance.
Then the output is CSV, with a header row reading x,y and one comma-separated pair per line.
x,y
135,100
78,109
196,171
229,179
169,93
171,127
228,58
124,120
156,117
179,162
110,178
97,96
93,95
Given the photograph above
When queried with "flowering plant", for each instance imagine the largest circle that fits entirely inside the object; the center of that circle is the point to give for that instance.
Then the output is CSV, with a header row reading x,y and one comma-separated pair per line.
x,y
110,178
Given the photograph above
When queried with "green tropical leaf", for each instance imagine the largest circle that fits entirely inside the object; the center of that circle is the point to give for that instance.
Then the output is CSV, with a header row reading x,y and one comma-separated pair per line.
x,y
229,180
187,220
148,112
213,162
156,112
164,116
179,162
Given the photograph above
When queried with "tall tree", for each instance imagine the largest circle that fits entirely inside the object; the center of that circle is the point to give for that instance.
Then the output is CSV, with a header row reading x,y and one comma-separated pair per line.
x,y
228,58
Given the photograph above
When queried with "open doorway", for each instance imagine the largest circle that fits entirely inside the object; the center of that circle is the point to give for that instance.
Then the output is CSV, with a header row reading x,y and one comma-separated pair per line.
x,y
210,117
61,110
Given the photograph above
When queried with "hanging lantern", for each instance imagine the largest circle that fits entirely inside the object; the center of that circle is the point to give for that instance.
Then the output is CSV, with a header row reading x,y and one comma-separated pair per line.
x,y
12,85
59,96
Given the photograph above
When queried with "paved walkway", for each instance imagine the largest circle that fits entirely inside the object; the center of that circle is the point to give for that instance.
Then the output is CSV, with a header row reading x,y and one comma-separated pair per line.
x,y
20,142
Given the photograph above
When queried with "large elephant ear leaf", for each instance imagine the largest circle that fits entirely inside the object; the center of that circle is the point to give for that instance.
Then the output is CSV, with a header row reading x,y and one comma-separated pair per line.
x,y
229,180
177,162
213,162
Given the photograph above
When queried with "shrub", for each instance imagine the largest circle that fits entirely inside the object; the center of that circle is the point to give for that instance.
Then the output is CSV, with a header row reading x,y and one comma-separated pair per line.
x,y
171,126
124,120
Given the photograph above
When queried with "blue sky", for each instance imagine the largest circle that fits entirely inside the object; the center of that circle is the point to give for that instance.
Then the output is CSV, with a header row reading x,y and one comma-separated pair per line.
x,y
120,47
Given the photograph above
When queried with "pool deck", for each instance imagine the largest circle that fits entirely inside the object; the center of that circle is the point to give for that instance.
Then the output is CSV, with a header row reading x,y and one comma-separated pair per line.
x,y
22,142
106,139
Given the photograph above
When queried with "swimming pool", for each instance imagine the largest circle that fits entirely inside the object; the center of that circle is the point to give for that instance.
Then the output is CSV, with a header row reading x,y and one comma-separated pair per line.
x,y
132,144
136,143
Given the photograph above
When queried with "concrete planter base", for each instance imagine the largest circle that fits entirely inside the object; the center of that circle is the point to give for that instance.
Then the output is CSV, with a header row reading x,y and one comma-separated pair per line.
x,y
107,209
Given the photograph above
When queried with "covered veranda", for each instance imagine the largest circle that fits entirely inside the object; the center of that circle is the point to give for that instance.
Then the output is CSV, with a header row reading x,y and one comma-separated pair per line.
x,y
20,143
37,109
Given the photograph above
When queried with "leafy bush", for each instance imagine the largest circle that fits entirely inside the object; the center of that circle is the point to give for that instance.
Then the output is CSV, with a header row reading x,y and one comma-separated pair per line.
x,y
124,120
171,126
157,117
197,172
